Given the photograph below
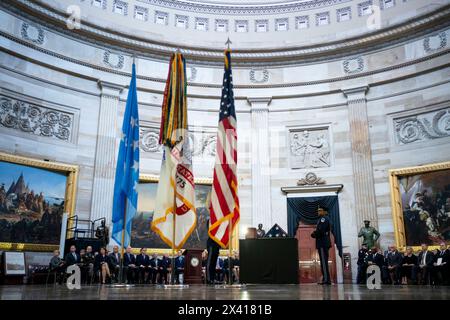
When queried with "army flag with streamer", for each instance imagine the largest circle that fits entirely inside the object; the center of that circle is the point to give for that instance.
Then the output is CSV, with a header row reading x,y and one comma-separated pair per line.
x,y
176,189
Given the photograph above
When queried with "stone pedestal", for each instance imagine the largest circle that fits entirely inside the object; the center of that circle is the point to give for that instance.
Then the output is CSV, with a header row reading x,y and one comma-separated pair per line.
x,y
365,205
260,159
105,152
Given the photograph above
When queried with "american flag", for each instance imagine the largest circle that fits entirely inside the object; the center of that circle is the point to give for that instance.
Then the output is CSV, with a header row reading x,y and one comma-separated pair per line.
x,y
224,207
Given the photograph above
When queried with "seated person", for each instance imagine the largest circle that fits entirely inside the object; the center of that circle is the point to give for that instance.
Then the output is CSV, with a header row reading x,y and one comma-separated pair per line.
x,y
101,265
154,269
226,270
164,268
72,257
204,263
236,266
425,264
441,264
89,262
219,270
57,265
142,263
129,266
375,257
114,263
409,266
82,266
179,268
394,264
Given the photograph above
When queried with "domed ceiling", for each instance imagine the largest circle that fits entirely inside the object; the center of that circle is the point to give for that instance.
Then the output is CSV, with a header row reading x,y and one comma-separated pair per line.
x,y
258,29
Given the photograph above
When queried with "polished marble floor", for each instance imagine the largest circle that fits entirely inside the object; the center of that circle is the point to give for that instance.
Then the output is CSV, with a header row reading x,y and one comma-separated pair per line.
x,y
200,292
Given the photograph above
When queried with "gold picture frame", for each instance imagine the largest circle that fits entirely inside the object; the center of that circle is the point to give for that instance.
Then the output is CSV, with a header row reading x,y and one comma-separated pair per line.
x,y
71,171
396,199
145,178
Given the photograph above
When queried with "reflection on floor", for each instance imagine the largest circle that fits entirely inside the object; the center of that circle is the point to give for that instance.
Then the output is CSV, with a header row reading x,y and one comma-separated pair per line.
x,y
249,292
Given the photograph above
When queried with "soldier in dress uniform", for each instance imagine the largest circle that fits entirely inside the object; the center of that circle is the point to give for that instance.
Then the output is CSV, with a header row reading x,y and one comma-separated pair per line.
x,y
323,244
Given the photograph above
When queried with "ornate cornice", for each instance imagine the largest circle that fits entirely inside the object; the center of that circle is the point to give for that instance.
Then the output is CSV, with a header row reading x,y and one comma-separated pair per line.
x,y
56,21
262,8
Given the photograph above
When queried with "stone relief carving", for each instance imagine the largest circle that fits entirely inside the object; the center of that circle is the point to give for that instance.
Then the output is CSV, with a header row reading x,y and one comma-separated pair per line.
x,y
309,148
37,120
310,179
259,75
108,57
353,65
32,33
422,127
149,139
203,144
435,42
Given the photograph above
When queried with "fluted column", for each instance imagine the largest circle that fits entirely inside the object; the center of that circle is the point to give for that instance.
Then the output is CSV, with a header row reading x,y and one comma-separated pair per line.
x,y
363,180
261,204
105,152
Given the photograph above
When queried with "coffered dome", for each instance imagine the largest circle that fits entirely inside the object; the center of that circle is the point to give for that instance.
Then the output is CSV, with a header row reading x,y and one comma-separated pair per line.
x,y
259,30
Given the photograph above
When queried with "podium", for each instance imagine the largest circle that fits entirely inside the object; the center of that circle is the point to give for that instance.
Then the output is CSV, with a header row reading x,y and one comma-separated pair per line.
x,y
193,266
269,261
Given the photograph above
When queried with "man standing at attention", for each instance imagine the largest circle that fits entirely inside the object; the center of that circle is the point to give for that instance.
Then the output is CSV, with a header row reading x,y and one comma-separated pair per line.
x,y
323,244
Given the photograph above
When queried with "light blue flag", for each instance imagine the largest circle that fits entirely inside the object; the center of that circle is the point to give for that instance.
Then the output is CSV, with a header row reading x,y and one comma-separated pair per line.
x,y
127,171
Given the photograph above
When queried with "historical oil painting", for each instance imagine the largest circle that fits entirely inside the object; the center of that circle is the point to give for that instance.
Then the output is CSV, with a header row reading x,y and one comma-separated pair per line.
x,y
31,204
143,236
425,199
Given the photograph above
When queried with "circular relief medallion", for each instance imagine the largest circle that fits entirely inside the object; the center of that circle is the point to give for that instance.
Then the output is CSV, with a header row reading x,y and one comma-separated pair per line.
x,y
195,262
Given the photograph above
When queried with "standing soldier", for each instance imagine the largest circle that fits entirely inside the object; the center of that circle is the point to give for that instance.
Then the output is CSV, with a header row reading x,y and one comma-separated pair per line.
x,y
323,244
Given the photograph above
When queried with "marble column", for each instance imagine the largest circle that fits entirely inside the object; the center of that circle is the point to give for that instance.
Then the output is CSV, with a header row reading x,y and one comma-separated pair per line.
x,y
363,181
105,153
260,162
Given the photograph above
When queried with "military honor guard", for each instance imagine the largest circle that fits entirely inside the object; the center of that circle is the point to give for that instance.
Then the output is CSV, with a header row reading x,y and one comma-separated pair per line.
x,y
323,244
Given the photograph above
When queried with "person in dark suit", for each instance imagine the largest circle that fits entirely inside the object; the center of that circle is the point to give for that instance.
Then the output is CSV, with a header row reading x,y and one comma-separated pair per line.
x,y
375,258
362,264
394,265
89,263
129,266
154,269
440,265
323,244
179,267
219,270
101,262
142,263
164,268
213,254
72,257
425,264
409,266
114,263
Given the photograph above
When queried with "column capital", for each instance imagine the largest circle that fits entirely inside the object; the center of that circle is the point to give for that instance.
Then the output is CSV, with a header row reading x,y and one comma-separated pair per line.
x,y
109,88
259,103
356,94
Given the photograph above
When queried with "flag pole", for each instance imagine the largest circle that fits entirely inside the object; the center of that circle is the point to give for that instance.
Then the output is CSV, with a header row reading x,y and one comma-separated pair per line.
x,y
122,251
173,228
230,223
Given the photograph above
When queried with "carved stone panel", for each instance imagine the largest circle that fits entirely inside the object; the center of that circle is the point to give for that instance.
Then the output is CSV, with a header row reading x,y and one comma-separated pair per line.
x,y
309,148
149,139
421,127
35,119
203,144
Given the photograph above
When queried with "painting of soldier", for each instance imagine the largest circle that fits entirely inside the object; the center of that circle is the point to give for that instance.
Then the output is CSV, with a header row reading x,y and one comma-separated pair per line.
x,y
31,204
143,236
426,207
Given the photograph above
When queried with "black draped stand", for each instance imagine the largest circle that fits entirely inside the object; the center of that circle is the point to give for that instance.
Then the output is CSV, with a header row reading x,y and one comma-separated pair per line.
x,y
305,209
